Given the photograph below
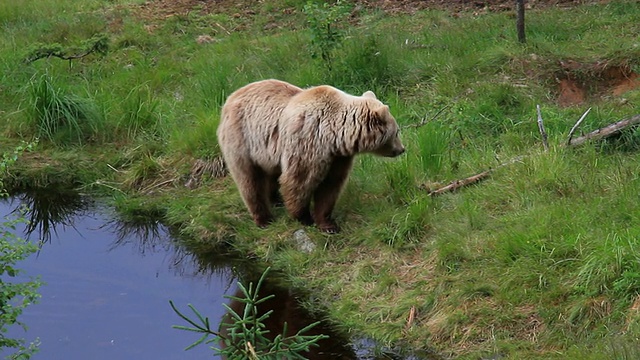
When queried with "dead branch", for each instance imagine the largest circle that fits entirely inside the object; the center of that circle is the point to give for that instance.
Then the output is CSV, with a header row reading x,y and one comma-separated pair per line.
x,y
543,132
424,120
601,133
152,187
456,184
410,319
575,127
223,28
99,44
607,131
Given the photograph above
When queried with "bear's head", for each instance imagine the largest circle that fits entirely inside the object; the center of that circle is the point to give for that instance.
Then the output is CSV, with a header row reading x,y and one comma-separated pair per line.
x,y
382,132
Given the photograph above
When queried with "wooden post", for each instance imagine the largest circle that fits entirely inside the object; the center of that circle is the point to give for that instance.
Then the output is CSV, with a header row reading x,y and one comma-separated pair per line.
x,y
520,21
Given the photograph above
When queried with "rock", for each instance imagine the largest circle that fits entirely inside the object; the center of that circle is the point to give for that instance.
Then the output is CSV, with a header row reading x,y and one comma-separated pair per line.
x,y
303,241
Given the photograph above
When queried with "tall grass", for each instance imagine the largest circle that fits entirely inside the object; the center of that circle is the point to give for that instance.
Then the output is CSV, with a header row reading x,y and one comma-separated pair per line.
x,y
60,117
140,113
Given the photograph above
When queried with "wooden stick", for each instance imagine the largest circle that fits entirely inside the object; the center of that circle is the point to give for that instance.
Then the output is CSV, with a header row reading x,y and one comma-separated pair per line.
x,y
607,131
575,127
456,184
410,319
225,30
154,186
543,132
520,21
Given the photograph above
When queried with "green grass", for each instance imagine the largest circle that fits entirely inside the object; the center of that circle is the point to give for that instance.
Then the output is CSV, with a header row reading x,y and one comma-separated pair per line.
x,y
59,117
539,261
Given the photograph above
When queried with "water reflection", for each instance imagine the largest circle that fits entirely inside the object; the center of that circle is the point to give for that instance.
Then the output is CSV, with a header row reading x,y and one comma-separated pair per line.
x,y
109,280
49,209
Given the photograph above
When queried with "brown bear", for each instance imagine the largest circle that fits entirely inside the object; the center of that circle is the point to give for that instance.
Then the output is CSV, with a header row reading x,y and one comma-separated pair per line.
x,y
271,131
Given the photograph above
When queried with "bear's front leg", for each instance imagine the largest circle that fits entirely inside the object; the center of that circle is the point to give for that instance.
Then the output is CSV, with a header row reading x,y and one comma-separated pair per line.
x,y
262,219
327,193
299,208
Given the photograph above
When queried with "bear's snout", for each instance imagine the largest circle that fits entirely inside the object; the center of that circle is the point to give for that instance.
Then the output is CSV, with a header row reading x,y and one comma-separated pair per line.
x,y
391,148
398,152
397,148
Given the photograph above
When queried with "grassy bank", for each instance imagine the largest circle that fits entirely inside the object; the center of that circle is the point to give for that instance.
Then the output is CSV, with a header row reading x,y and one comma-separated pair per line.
x,y
538,262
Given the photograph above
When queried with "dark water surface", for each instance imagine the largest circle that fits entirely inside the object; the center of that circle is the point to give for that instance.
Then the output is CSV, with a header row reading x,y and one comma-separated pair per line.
x,y
106,293
108,282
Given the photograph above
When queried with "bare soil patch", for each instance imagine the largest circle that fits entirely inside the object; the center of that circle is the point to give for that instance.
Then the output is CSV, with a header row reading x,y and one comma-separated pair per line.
x,y
160,9
578,82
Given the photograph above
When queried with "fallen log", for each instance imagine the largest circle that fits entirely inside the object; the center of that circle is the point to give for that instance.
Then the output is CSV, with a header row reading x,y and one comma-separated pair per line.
x,y
607,131
604,132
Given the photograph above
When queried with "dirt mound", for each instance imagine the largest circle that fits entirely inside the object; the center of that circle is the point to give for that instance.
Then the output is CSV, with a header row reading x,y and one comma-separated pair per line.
x,y
578,82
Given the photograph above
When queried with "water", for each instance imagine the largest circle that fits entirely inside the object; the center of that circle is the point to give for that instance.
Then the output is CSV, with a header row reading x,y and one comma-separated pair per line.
x,y
106,293
108,284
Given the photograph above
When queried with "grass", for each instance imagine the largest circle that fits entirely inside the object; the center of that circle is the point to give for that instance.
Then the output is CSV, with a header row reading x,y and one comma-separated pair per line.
x,y
61,118
538,262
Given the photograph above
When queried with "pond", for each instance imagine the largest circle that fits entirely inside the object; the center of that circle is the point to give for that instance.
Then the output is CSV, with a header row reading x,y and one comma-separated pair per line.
x,y
106,291
107,286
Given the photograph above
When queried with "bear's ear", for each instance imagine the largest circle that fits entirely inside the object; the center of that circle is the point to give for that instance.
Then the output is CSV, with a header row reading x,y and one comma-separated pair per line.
x,y
369,94
380,114
382,111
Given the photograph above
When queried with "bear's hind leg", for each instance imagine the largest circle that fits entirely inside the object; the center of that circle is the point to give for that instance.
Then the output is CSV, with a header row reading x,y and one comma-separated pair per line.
x,y
299,209
254,189
327,193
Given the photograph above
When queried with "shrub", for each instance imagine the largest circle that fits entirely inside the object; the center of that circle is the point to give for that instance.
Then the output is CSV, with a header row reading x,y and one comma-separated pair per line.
x,y
246,336
15,296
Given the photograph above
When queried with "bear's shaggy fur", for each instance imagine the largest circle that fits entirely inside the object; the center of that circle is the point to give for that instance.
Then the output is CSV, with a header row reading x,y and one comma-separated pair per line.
x,y
271,131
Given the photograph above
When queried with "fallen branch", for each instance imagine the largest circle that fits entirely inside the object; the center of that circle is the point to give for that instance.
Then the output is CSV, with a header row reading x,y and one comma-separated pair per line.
x,y
607,131
149,188
575,127
543,132
456,184
410,319
98,44
601,133
223,28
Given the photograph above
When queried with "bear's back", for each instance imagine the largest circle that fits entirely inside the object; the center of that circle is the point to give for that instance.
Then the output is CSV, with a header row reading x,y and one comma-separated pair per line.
x,y
249,122
259,98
